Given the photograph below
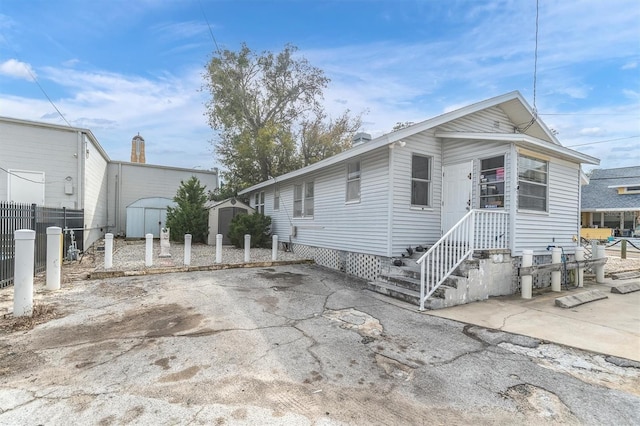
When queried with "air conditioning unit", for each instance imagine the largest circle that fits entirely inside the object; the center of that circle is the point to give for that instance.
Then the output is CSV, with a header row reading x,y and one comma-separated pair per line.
x,y
294,231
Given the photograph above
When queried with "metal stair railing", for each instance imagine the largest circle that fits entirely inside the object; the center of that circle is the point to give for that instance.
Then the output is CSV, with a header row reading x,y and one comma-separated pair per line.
x,y
477,230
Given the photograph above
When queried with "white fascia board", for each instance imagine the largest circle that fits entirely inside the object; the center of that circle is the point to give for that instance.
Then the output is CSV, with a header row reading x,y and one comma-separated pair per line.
x,y
624,185
525,140
390,138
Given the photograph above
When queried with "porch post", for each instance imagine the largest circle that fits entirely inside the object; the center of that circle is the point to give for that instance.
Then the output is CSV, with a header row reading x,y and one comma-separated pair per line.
x,y
556,258
580,274
600,254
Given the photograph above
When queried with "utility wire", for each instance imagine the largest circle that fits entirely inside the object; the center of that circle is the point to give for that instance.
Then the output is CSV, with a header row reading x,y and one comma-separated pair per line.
x,y
608,140
20,177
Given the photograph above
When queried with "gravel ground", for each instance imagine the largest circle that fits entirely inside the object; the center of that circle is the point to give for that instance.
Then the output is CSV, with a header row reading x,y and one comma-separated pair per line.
x,y
130,255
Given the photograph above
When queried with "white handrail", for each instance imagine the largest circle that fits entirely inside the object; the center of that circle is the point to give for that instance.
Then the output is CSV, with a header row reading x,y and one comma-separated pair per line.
x,y
477,230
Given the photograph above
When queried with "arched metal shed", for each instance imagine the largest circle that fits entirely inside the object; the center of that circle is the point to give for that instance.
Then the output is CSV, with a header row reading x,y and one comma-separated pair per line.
x,y
147,216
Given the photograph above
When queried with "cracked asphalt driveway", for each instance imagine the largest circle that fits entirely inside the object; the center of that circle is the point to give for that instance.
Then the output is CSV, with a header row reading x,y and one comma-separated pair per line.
x,y
294,344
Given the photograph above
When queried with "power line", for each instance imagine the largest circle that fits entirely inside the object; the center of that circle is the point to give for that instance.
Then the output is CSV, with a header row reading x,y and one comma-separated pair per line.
x,y
535,57
595,114
608,140
20,177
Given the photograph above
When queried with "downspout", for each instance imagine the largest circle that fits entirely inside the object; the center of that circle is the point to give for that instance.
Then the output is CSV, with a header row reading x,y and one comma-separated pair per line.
x,y
80,172
513,211
390,204
579,205
119,200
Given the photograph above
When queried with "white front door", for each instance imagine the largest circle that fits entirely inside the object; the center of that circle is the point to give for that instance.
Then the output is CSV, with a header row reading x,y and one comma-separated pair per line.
x,y
456,193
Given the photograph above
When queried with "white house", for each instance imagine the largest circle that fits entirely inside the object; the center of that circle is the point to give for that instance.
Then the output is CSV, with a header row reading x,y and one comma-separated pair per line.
x,y
61,166
358,209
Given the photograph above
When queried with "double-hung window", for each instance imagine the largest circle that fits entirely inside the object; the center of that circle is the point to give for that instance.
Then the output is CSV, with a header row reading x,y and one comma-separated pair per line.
x,y
420,181
303,199
353,182
492,183
276,198
533,178
259,202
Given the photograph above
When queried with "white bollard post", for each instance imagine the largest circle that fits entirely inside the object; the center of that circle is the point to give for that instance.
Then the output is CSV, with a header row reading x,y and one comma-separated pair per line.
x,y
600,254
274,248
53,257
148,255
108,251
187,249
219,248
526,281
556,258
23,273
247,247
580,269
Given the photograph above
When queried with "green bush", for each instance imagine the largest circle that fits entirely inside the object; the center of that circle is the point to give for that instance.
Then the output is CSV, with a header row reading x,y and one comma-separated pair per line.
x,y
257,225
190,215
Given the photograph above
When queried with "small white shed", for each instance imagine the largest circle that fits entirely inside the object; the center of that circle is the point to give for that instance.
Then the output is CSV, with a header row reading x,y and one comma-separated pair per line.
x,y
147,216
220,215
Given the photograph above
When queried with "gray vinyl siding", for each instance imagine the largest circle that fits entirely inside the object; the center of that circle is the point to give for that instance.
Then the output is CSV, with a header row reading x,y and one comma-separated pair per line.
x,y
95,194
412,226
51,151
481,121
357,227
536,231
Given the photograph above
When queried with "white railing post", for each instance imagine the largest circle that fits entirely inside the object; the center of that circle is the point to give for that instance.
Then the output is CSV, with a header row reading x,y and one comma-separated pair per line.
x,y
247,247
187,249
148,255
580,273
53,257
274,248
526,281
219,248
108,251
472,229
422,282
556,258
600,254
23,272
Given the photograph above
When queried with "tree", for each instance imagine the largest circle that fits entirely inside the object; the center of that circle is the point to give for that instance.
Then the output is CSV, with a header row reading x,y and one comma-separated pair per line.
x,y
260,104
401,125
190,215
322,138
257,225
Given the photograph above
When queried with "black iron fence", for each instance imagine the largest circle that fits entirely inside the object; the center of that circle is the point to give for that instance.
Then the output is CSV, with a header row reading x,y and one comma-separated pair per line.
x,y
30,216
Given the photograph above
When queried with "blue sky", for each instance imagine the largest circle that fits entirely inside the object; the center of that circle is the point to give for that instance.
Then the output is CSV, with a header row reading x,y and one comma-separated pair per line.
x,y
123,67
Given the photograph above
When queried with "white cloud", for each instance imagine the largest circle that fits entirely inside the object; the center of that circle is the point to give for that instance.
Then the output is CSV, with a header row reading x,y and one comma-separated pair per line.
x,y
17,69
591,131
629,66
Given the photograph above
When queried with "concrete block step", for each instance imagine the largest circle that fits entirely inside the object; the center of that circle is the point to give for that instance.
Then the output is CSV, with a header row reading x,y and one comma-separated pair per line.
x,y
626,288
574,300
395,291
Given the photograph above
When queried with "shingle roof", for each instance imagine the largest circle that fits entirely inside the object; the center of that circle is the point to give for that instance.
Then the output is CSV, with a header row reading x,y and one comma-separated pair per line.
x,y
601,192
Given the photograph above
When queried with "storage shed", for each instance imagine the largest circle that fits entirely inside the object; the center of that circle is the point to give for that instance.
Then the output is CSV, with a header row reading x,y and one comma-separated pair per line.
x,y
147,216
220,215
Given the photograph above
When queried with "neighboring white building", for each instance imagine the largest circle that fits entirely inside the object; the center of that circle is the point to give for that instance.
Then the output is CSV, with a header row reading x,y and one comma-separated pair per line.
x,y
66,167
411,186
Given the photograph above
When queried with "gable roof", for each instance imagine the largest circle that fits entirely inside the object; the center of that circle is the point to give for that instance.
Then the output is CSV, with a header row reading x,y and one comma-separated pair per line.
x,y
601,194
535,136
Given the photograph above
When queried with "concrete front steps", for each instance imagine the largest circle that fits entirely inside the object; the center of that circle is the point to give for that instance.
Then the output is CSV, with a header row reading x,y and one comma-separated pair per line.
x,y
468,283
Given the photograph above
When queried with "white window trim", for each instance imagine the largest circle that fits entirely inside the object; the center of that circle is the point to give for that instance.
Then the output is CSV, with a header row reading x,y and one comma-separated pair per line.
x,y
303,200
429,204
276,197
259,201
546,185
349,180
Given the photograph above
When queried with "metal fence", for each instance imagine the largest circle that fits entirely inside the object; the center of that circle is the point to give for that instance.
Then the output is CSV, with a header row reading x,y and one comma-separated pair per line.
x,y
30,216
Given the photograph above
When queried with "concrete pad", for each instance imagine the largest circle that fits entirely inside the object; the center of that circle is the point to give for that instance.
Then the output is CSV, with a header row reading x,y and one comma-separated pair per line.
x,y
626,288
610,327
573,300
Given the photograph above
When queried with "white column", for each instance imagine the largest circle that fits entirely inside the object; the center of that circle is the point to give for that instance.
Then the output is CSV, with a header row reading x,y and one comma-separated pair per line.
x,y
219,248
108,251
556,258
600,254
148,254
187,249
526,281
580,273
23,274
247,247
274,248
53,257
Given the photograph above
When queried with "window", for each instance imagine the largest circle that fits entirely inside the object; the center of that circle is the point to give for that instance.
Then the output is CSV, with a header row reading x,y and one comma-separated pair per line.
x,y
297,200
276,198
353,181
259,202
303,205
532,183
308,199
492,183
420,180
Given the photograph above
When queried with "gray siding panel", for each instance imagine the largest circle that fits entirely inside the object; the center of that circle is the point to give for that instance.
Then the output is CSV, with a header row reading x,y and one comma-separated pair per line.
x,y
95,195
481,121
536,231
